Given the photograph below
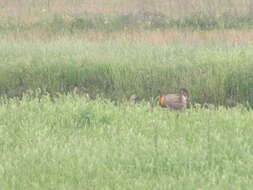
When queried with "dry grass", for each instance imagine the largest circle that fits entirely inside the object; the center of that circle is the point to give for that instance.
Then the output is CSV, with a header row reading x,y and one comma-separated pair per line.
x,y
170,36
42,10
34,10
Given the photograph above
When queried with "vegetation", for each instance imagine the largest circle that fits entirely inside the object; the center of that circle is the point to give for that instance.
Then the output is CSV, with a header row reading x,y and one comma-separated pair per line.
x,y
77,143
68,66
115,70
141,21
72,16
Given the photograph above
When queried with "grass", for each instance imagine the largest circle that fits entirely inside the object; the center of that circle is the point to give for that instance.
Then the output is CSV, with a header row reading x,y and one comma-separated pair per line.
x,y
64,119
77,143
116,69
135,21
77,16
159,37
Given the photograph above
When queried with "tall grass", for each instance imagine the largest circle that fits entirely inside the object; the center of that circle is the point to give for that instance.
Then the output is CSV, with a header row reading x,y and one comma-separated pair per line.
x,y
76,143
73,16
213,74
133,21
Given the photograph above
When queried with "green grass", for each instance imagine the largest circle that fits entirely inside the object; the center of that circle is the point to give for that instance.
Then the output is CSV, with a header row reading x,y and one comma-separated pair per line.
x,y
76,143
64,119
217,74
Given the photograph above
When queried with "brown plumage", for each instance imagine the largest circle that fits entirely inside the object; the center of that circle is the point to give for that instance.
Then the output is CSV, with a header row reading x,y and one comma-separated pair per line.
x,y
174,101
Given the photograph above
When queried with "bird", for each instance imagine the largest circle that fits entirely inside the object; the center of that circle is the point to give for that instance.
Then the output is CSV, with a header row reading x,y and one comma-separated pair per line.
x,y
174,101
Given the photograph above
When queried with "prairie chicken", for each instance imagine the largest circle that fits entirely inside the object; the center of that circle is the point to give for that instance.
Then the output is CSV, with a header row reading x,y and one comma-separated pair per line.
x,y
174,101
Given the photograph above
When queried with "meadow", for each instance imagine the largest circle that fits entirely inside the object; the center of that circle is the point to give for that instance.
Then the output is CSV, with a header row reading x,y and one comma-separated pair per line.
x,y
214,74
77,143
68,68
74,15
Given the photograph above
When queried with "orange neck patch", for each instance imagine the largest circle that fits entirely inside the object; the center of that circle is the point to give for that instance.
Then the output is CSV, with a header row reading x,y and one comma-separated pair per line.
x,y
161,99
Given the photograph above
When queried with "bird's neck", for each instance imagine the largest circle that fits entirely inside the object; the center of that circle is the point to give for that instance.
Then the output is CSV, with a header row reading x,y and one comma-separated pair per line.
x,y
183,98
161,100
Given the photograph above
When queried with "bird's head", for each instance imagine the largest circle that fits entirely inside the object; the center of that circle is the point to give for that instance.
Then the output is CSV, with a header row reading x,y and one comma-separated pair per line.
x,y
184,92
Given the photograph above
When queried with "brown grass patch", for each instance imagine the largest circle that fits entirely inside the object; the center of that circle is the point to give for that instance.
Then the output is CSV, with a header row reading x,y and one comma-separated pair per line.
x,y
186,36
34,10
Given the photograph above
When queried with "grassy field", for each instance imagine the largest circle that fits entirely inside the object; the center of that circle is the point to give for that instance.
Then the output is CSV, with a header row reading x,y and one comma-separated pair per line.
x,y
60,16
77,143
67,68
218,74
